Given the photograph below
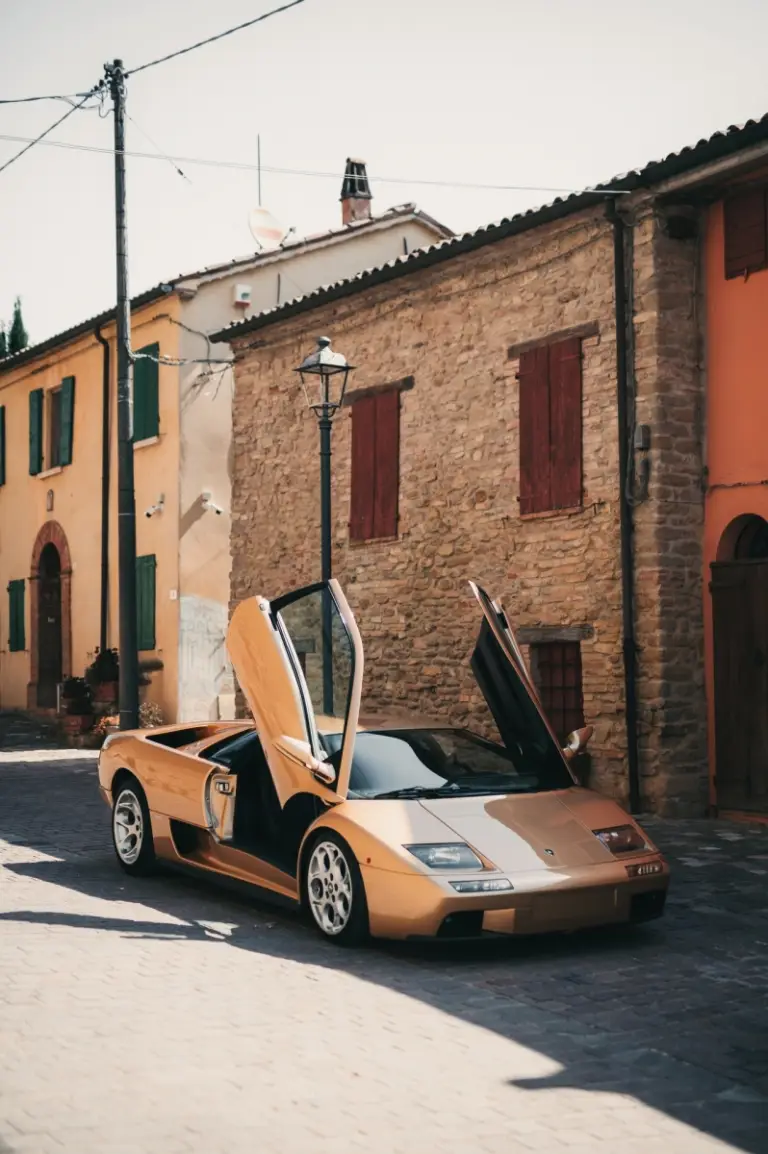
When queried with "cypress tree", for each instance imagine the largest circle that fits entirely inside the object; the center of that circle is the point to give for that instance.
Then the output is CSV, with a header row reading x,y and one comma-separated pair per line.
x,y
17,334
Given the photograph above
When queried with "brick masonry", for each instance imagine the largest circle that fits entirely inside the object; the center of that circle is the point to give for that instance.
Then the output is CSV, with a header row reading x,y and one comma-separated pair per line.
x,y
450,328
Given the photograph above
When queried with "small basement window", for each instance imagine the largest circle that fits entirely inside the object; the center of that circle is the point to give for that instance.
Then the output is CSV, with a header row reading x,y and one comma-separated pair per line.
x,y
556,671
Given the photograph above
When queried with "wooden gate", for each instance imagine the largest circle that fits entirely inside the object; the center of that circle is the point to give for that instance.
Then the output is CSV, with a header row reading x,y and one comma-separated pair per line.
x,y
740,619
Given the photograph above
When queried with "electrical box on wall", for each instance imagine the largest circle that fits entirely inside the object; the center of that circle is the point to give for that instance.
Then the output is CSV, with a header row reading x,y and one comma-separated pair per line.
x,y
242,296
642,438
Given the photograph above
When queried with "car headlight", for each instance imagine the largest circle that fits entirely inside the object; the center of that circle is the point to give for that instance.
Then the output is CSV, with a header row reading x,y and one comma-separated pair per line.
x,y
622,839
446,856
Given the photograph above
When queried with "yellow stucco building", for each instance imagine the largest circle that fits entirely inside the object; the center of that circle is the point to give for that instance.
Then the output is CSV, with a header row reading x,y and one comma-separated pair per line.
x,y
58,460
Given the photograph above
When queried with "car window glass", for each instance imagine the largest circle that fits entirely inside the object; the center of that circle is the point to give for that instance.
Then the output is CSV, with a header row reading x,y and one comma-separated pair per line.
x,y
438,758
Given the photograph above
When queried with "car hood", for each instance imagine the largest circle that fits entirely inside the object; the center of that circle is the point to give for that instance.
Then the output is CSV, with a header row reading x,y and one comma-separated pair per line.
x,y
532,831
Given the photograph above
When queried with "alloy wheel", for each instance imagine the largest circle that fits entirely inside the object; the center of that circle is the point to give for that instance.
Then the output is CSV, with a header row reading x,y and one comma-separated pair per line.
x,y
329,887
128,827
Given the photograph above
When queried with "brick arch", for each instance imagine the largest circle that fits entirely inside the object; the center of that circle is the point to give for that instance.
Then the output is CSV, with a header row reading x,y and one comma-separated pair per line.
x,y
51,533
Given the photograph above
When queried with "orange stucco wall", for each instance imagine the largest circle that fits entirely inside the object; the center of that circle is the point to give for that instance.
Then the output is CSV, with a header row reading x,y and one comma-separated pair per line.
x,y
75,495
737,413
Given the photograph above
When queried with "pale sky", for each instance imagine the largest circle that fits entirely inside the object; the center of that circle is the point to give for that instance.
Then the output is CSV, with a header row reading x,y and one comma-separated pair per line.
x,y
545,93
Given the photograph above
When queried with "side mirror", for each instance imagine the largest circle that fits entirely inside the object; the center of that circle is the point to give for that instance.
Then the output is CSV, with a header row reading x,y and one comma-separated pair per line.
x,y
300,752
578,741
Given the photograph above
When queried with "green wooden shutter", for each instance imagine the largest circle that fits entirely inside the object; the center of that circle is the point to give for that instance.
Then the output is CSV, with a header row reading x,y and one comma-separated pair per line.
x,y
146,395
16,638
145,600
36,431
67,420
2,444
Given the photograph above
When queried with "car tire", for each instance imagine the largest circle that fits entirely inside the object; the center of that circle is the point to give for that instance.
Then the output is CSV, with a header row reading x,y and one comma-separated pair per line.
x,y
132,829
333,890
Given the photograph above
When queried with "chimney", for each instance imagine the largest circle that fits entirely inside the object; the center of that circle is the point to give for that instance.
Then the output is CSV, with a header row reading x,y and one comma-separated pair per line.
x,y
355,193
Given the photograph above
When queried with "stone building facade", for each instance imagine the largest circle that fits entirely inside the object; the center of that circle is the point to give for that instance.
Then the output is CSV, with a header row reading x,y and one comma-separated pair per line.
x,y
612,290
449,337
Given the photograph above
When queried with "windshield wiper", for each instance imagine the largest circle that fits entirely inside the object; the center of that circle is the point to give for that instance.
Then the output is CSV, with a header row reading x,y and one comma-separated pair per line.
x,y
421,791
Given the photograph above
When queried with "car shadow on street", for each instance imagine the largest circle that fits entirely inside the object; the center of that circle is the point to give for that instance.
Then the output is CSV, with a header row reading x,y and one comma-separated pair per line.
x,y
672,1014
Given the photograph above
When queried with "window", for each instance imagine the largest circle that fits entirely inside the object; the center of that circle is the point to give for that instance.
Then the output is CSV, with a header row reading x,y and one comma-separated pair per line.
x,y
146,394
550,427
51,425
145,600
375,465
16,625
556,670
52,457
2,444
745,228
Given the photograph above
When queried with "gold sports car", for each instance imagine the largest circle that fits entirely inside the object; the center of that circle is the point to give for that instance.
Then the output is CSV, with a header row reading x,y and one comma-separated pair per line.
x,y
391,828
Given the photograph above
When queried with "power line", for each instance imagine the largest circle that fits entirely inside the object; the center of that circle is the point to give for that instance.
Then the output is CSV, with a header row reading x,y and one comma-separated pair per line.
x,y
211,39
34,99
243,166
37,139
163,155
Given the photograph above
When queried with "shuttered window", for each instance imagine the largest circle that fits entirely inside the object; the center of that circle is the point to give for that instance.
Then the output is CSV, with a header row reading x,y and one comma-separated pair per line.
x,y
375,466
550,427
16,638
745,227
2,444
145,600
36,431
556,670
146,394
66,420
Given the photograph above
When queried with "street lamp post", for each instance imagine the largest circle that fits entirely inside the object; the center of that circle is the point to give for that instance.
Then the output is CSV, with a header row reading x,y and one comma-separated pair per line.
x,y
324,375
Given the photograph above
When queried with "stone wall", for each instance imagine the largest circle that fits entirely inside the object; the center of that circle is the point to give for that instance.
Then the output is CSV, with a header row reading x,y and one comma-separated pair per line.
x,y
450,328
669,525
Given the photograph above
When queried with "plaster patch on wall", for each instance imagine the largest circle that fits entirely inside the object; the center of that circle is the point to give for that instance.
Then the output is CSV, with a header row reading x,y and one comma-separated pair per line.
x,y
204,669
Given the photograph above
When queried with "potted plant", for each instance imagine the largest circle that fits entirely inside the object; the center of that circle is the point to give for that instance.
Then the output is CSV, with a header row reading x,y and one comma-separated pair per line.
x,y
78,710
103,676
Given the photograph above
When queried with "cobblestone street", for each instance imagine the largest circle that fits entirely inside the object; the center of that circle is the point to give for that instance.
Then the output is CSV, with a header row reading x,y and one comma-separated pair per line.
x,y
170,1015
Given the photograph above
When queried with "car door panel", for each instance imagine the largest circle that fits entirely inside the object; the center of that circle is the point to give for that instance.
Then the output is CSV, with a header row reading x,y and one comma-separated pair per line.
x,y
286,692
507,686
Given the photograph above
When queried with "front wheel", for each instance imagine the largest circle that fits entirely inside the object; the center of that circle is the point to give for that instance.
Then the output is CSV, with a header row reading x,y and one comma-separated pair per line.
x,y
132,830
334,891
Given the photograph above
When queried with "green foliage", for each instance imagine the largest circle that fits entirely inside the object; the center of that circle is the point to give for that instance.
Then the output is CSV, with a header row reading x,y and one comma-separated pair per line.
x,y
17,338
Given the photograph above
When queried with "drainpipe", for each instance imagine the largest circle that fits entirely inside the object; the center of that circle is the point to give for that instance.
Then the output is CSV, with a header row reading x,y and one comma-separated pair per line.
x,y
621,272
105,386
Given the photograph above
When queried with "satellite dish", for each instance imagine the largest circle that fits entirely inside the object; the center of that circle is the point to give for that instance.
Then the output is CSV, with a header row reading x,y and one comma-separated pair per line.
x,y
266,229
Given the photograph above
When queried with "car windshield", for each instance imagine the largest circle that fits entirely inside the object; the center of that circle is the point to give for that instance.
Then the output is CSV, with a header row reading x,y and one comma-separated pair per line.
x,y
445,763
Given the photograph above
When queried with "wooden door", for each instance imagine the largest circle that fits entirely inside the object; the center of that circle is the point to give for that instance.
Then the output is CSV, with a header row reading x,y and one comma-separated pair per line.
x,y
49,667
740,618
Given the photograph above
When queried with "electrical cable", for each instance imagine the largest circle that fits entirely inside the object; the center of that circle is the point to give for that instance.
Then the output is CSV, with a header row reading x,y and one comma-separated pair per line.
x,y
245,167
37,139
211,39
34,99
164,155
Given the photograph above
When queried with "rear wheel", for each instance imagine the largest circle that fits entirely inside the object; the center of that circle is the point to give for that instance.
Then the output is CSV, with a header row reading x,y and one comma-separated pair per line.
x,y
334,891
132,829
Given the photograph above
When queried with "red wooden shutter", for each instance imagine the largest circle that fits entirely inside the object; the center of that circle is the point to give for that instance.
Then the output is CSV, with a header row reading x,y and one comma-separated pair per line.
x,y
387,471
534,432
565,423
363,469
746,232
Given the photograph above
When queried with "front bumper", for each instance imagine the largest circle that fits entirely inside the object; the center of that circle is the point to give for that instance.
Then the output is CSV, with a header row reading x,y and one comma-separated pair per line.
x,y
542,901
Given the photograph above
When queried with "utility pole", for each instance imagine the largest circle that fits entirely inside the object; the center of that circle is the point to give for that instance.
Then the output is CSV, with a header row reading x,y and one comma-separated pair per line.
x,y
126,498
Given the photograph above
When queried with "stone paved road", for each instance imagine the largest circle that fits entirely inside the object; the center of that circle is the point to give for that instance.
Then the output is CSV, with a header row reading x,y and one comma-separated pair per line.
x,y
165,1015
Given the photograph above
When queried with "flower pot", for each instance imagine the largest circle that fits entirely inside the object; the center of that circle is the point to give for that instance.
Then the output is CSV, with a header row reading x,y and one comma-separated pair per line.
x,y
105,692
75,723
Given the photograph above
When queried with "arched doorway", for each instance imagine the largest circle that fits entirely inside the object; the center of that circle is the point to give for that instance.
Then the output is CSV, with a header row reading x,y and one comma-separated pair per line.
x,y
740,629
50,615
49,666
